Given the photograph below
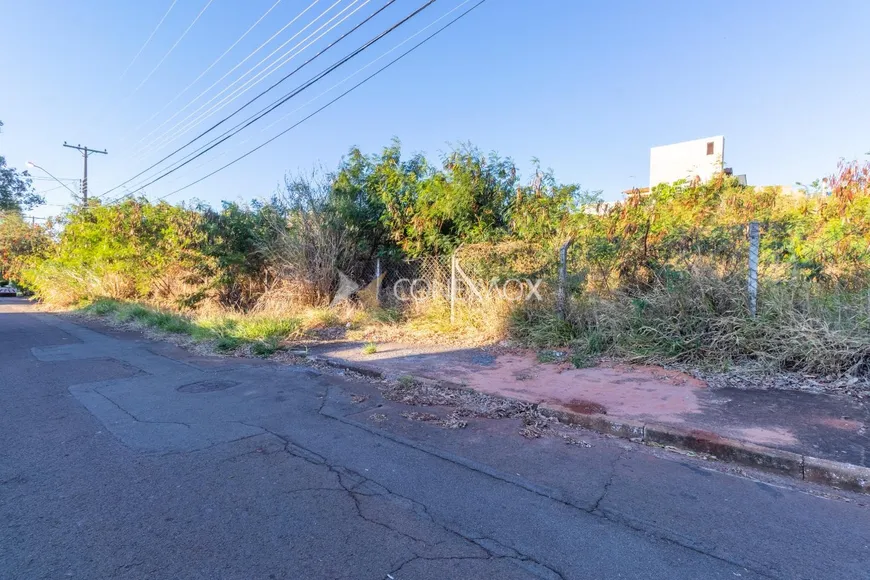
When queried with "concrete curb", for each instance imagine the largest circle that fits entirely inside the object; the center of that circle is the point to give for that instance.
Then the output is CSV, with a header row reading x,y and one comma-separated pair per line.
x,y
732,450
804,467
354,368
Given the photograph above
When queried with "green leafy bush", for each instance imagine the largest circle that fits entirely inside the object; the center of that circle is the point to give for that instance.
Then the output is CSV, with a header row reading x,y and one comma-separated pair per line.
x,y
22,244
658,276
130,250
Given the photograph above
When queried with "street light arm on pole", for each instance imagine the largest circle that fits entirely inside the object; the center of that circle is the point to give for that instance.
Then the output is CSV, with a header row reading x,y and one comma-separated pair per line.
x,y
32,164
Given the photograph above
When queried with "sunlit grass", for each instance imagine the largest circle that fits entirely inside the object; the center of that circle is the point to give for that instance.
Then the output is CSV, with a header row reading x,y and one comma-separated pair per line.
x,y
265,334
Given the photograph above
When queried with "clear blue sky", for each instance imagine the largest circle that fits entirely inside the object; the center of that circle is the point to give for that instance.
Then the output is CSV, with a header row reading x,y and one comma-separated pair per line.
x,y
586,87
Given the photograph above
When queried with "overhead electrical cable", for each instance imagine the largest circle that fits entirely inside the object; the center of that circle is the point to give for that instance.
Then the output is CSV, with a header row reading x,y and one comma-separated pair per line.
x,y
263,112
268,109
364,67
172,48
327,105
148,40
229,72
161,141
287,76
336,85
211,66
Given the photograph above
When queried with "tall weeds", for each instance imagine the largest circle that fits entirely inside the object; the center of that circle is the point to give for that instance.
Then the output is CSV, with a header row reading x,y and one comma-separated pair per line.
x,y
701,319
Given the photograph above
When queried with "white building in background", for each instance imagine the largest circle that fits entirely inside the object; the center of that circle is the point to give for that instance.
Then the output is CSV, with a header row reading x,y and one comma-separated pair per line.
x,y
694,160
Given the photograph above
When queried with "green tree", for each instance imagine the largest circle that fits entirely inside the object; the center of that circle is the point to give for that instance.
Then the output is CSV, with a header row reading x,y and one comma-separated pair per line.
x,y
356,201
16,189
21,245
422,209
549,212
467,201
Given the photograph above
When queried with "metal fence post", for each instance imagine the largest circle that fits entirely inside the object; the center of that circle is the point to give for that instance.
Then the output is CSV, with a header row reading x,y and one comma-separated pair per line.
x,y
453,288
378,282
752,279
562,289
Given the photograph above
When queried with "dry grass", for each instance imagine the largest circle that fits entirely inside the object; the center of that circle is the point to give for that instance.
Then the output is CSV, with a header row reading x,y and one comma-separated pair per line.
x,y
468,403
697,318
701,319
275,323
475,323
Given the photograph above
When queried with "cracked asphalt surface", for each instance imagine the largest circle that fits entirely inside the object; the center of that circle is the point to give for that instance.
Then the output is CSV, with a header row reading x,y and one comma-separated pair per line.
x,y
127,458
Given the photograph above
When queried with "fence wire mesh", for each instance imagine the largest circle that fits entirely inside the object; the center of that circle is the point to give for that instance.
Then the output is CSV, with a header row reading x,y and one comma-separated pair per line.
x,y
520,272
412,280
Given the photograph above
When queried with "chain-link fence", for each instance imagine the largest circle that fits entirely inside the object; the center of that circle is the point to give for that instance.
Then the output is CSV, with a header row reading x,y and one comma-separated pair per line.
x,y
468,275
521,272
414,280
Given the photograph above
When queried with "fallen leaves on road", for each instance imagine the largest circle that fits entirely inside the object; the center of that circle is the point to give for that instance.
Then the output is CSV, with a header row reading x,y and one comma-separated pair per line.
x,y
470,404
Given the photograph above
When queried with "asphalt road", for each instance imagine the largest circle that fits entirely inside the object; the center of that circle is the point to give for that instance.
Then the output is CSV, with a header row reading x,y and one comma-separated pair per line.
x,y
126,458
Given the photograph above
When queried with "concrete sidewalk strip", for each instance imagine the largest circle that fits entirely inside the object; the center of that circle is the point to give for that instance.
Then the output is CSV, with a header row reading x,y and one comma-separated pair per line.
x,y
818,438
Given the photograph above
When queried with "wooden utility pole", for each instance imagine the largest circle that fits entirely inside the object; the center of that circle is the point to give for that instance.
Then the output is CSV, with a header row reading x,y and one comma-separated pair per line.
x,y
85,152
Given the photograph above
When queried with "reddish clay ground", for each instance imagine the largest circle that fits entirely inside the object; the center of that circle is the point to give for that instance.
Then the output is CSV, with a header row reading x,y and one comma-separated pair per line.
x,y
827,426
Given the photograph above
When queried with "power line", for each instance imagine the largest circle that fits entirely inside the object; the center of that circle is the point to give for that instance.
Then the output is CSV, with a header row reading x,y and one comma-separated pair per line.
x,y
52,177
55,188
336,85
330,103
37,178
265,111
162,142
243,61
287,76
211,66
362,68
153,32
172,48
252,100
259,77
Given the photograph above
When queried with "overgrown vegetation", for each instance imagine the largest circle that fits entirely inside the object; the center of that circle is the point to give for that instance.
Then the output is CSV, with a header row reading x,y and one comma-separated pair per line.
x,y
658,277
662,278
21,244
225,331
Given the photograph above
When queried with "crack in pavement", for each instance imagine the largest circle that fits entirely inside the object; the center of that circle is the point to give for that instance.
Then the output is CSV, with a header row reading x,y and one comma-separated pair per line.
x,y
342,472
354,491
609,482
212,446
594,510
616,518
